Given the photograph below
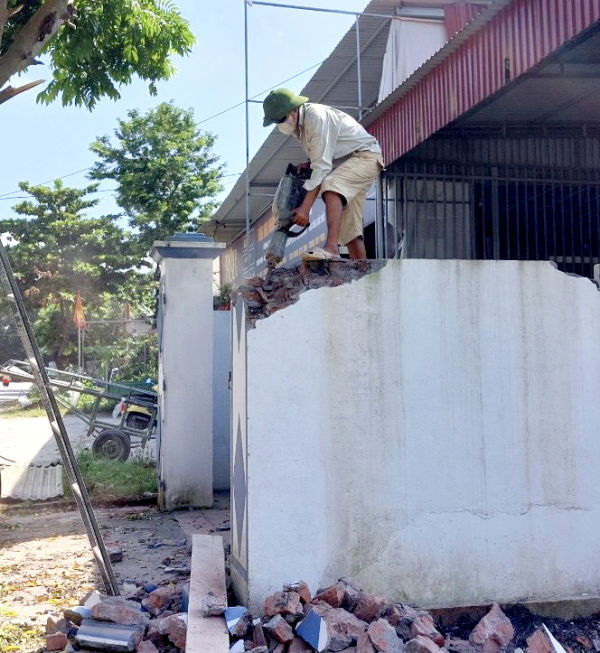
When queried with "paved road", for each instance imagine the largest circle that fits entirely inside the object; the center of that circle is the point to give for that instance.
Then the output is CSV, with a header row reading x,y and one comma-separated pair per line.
x,y
13,391
29,440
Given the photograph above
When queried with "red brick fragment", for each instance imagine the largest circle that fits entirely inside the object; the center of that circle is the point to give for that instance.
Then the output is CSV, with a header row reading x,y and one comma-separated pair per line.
x,y
284,603
423,625
384,637
158,599
177,630
421,644
493,632
539,642
57,626
364,644
353,592
56,641
369,607
279,628
333,595
399,613
341,622
146,647
258,634
302,588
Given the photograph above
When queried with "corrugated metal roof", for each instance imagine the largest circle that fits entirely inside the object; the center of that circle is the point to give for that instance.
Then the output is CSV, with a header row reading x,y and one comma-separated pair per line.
x,y
442,55
31,482
491,71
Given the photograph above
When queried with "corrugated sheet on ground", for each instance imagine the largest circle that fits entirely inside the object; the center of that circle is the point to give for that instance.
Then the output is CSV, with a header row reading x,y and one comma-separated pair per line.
x,y
31,482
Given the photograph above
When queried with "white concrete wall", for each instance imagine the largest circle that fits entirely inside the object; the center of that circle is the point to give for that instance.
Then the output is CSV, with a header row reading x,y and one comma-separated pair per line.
x,y
432,429
186,383
221,399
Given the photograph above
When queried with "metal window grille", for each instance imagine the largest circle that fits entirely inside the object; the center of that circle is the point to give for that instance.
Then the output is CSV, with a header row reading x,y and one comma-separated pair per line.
x,y
497,212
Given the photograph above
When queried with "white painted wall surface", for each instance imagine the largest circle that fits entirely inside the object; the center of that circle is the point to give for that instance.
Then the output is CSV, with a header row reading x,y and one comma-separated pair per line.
x,y
433,430
186,383
221,399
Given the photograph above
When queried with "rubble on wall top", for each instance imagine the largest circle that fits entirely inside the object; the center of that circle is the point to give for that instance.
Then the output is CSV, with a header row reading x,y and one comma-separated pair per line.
x,y
283,286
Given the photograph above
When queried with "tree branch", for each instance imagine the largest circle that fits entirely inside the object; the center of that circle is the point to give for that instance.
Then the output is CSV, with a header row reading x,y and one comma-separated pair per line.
x,y
10,92
4,16
34,36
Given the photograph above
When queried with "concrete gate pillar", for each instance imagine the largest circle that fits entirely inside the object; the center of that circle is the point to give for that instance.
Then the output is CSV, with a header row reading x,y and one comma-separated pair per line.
x,y
185,317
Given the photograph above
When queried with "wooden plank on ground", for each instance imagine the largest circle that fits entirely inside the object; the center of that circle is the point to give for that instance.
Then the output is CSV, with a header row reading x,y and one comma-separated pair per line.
x,y
206,634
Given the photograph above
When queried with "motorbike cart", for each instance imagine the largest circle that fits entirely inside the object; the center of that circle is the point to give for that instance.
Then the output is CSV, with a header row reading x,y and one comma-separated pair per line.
x,y
132,425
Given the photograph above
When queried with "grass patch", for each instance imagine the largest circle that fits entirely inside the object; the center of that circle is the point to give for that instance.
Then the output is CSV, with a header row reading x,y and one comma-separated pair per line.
x,y
115,479
20,411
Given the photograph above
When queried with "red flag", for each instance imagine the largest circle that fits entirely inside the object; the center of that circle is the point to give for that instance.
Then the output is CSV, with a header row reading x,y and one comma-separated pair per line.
x,y
79,316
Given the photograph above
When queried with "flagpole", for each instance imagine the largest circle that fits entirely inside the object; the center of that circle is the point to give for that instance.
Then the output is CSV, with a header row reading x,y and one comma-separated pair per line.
x,y
79,359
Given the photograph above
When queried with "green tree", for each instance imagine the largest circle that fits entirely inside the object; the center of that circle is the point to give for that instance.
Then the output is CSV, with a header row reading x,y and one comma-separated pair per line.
x,y
58,250
113,41
164,168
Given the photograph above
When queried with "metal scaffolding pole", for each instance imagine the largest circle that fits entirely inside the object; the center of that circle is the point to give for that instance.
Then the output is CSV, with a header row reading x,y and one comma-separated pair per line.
x,y
247,176
9,284
358,71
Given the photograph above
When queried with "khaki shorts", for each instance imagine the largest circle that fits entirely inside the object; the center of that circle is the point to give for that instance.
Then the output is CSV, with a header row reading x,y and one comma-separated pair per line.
x,y
352,180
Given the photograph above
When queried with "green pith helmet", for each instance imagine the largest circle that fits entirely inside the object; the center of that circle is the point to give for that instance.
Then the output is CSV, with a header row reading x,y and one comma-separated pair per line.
x,y
279,103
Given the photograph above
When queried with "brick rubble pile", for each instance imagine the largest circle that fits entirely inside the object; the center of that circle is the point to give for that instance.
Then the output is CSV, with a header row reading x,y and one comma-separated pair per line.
x,y
345,619
145,619
283,286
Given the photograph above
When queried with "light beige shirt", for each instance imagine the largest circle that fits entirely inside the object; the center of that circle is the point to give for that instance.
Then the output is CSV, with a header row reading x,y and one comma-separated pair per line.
x,y
328,136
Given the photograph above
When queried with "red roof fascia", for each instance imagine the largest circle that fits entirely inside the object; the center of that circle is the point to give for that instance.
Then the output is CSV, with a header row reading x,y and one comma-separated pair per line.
x,y
517,38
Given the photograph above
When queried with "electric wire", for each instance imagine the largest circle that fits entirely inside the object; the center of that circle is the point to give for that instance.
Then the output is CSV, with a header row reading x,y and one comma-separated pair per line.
x,y
4,198
241,104
216,115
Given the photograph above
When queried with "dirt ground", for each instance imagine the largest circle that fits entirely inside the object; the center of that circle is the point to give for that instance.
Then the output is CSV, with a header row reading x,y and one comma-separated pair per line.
x,y
46,563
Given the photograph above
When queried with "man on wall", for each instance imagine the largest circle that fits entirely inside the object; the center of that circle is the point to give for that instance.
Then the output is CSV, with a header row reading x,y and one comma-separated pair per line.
x,y
344,159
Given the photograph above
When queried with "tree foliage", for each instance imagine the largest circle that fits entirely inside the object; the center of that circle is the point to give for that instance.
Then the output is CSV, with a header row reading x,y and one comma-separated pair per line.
x,y
165,170
58,250
112,42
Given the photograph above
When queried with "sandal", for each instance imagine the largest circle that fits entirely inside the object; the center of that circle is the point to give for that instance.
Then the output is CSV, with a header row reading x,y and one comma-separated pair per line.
x,y
320,254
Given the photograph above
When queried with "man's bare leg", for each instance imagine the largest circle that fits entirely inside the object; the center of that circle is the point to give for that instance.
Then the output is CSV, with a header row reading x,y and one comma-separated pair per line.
x,y
356,248
333,209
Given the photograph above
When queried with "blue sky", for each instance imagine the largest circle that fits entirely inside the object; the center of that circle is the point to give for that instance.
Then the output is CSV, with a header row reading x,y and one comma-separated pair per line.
x,y
41,143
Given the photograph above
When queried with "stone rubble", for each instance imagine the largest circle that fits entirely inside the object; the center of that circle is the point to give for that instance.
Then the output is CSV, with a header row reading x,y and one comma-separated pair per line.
x,y
344,618
283,286
155,621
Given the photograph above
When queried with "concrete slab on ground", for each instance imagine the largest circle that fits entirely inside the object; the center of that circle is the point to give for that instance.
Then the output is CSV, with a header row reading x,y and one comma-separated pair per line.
x,y
207,583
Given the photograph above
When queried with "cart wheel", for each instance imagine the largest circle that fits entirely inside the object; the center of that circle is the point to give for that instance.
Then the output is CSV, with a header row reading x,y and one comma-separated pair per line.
x,y
140,422
115,445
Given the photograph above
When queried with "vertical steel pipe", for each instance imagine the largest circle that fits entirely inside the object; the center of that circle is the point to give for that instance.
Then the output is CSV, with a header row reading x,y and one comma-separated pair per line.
x,y
358,67
247,175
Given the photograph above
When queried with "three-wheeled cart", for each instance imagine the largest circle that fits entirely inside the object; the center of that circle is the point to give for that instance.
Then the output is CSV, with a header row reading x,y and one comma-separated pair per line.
x,y
133,420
